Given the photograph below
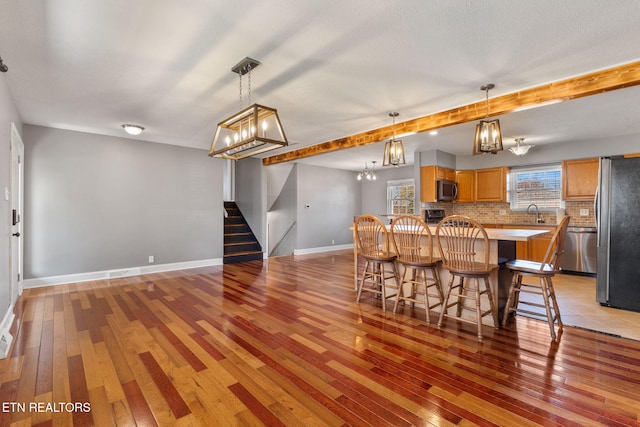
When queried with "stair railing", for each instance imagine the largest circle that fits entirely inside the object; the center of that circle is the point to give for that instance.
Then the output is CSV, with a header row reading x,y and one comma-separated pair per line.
x,y
293,224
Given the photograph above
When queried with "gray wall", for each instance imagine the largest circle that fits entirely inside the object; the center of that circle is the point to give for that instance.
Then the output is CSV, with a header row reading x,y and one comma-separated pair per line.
x,y
8,114
251,196
333,197
283,211
96,203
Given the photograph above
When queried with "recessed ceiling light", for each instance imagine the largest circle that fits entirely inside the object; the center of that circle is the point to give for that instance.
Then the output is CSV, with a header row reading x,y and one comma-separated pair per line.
x,y
133,129
433,132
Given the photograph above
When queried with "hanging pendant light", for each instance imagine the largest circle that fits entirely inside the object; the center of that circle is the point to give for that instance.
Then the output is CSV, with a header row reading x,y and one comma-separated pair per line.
x,y
520,149
253,130
488,138
393,149
369,175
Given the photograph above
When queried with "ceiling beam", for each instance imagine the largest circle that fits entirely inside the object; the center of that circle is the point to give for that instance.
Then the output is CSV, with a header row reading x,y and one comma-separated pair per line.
x,y
576,87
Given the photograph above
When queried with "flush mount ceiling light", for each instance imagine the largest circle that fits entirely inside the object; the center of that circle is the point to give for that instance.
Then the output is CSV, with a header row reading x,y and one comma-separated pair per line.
x,y
252,130
488,138
520,149
133,129
369,175
393,148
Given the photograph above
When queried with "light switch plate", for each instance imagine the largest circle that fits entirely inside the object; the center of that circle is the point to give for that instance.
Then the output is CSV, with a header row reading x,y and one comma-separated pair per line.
x,y
6,193
584,212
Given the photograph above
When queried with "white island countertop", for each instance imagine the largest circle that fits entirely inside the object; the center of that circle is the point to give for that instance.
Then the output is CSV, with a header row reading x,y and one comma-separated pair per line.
x,y
509,234
512,234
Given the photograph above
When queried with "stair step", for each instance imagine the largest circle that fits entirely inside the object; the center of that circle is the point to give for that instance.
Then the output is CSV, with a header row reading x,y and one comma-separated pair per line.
x,y
234,219
236,228
241,243
242,247
243,257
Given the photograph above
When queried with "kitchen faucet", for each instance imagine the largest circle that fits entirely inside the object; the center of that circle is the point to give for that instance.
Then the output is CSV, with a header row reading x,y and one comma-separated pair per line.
x,y
539,219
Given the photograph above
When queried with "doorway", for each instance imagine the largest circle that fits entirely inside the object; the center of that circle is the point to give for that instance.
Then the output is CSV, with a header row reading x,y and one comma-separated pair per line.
x,y
17,207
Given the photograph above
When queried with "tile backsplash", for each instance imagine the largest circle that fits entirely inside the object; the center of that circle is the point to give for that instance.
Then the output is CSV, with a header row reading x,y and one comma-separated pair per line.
x,y
490,213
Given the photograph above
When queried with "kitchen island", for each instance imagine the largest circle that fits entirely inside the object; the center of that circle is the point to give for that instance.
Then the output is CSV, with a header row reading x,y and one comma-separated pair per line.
x,y
501,247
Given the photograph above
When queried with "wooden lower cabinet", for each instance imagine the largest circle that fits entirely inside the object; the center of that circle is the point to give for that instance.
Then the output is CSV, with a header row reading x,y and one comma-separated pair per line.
x,y
535,249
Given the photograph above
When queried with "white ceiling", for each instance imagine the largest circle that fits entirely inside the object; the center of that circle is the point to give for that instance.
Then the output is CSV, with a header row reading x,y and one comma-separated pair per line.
x,y
331,68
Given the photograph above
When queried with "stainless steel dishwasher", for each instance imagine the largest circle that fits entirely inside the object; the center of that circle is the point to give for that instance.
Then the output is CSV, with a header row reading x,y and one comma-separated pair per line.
x,y
580,250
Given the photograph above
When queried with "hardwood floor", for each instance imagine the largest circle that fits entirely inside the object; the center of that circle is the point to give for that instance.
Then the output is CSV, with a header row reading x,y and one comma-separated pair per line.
x,y
577,302
283,343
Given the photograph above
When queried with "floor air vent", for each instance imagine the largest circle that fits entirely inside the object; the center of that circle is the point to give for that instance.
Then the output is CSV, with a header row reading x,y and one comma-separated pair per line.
x,y
116,274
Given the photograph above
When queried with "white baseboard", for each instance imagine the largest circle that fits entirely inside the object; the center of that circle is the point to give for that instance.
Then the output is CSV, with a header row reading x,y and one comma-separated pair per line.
x,y
121,272
322,249
5,336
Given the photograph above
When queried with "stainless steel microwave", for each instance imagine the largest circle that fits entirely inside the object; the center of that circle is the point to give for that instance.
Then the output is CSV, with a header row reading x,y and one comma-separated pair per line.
x,y
447,190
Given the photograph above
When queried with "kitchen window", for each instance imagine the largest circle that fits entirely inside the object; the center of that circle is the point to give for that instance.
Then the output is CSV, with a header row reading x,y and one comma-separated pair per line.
x,y
539,185
401,197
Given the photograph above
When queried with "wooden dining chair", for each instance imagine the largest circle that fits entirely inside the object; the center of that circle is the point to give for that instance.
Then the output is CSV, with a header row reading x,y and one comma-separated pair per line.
x,y
464,249
543,271
380,269
413,245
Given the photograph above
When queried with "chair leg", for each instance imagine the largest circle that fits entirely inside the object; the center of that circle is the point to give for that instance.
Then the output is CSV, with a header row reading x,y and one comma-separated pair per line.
x,y
552,294
514,298
425,294
383,288
364,276
510,300
476,290
492,305
438,284
400,290
460,300
545,295
446,301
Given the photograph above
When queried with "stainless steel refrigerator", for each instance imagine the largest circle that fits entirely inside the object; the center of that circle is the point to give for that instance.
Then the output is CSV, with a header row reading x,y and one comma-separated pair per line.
x,y
618,220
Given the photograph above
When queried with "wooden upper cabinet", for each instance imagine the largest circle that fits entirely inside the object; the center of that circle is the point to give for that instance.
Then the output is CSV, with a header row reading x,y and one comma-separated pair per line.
x,y
491,185
466,185
579,179
444,173
429,177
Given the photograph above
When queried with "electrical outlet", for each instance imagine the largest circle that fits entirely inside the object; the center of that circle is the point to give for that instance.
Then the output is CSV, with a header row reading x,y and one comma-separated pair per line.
x,y
333,242
152,259
584,212
503,211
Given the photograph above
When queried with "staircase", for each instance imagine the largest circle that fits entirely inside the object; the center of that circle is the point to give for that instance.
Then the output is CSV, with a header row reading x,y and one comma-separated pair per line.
x,y
240,244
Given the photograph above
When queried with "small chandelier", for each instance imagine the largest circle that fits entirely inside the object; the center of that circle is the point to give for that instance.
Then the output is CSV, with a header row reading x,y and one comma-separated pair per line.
x,y
393,148
488,138
520,149
369,175
253,130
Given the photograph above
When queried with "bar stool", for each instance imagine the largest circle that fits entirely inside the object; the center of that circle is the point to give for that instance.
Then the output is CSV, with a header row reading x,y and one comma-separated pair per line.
x,y
413,244
459,241
380,267
544,271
